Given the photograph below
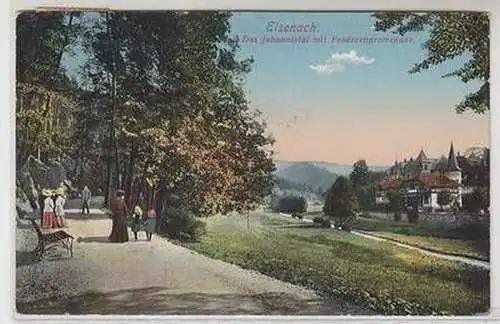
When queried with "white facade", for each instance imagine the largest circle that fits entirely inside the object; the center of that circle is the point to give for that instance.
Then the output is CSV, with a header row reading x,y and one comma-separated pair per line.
x,y
432,201
454,175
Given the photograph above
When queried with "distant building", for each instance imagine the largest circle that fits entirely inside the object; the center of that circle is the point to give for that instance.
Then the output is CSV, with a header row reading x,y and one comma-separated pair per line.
x,y
420,180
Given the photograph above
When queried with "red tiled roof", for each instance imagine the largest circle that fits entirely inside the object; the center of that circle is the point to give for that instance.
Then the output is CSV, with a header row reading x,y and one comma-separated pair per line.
x,y
436,181
389,184
429,180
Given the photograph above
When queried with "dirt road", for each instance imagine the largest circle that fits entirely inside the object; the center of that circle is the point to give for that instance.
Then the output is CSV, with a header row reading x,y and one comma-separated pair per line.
x,y
157,277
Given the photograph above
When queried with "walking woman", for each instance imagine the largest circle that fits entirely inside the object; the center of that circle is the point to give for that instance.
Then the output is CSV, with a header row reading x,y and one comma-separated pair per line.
x,y
49,219
119,210
59,208
41,199
150,223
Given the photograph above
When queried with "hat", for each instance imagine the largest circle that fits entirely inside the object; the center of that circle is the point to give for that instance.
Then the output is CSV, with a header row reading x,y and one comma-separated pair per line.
x,y
60,192
120,192
138,210
46,192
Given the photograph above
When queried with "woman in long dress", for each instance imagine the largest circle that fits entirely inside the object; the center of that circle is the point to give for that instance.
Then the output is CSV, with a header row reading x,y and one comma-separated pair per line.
x,y
49,219
59,208
119,232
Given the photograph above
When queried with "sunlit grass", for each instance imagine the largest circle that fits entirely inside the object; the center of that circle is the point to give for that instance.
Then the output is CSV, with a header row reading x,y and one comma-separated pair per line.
x,y
434,239
378,273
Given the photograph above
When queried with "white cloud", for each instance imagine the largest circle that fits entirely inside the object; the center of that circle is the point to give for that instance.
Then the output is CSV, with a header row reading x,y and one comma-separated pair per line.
x,y
337,62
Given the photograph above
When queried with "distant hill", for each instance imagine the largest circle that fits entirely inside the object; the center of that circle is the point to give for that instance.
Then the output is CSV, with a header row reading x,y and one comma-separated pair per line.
x,y
335,168
305,175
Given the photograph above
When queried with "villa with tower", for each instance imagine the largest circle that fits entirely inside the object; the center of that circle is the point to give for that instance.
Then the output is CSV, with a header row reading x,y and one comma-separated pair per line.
x,y
420,180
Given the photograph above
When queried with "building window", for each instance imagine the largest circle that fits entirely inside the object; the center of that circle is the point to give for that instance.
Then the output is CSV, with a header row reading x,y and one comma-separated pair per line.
x,y
425,167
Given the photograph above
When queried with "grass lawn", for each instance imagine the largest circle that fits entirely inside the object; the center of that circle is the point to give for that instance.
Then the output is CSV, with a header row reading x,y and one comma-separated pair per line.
x,y
435,239
377,275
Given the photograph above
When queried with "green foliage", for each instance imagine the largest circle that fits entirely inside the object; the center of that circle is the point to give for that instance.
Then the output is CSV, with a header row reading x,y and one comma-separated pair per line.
x,y
291,204
477,200
359,175
46,101
395,205
341,202
364,183
42,38
366,196
451,35
412,214
477,173
161,109
321,221
180,224
444,198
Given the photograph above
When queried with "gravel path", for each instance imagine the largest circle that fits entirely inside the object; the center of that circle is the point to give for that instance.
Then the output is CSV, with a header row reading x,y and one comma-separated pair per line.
x,y
157,277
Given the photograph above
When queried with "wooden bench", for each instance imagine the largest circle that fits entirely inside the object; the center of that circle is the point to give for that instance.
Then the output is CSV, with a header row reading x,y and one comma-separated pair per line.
x,y
50,240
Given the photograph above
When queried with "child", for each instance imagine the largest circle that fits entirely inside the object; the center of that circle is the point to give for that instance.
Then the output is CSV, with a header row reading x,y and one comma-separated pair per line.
x,y
136,221
150,223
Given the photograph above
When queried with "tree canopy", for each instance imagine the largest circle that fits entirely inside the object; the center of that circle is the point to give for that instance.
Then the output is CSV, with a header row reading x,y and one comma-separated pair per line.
x,y
451,35
341,202
158,108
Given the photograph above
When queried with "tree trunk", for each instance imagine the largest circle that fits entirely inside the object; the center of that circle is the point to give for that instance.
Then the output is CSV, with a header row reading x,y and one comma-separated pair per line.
x,y
108,189
113,52
130,175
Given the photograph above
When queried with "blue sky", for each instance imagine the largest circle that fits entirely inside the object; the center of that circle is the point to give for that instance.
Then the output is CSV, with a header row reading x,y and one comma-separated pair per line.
x,y
374,110
371,98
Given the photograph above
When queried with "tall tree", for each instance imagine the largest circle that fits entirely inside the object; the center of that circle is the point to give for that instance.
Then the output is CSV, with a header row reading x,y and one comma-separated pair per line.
x,y
45,104
341,202
183,123
359,175
451,35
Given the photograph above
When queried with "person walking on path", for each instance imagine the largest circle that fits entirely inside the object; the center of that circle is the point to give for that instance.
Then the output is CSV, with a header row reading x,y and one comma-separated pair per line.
x,y
86,196
119,211
41,199
150,223
59,207
49,220
137,221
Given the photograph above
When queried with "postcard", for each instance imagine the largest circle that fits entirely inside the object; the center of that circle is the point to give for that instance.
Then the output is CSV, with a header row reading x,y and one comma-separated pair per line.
x,y
252,163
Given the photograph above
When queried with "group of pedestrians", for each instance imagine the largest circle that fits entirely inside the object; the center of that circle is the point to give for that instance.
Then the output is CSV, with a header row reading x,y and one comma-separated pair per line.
x,y
139,221
52,208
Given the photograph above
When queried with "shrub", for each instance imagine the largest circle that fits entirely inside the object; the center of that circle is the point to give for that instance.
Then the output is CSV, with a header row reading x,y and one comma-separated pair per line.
x,y
181,224
444,198
476,200
397,216
292,204
321,221
341,202
412,215
395,206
